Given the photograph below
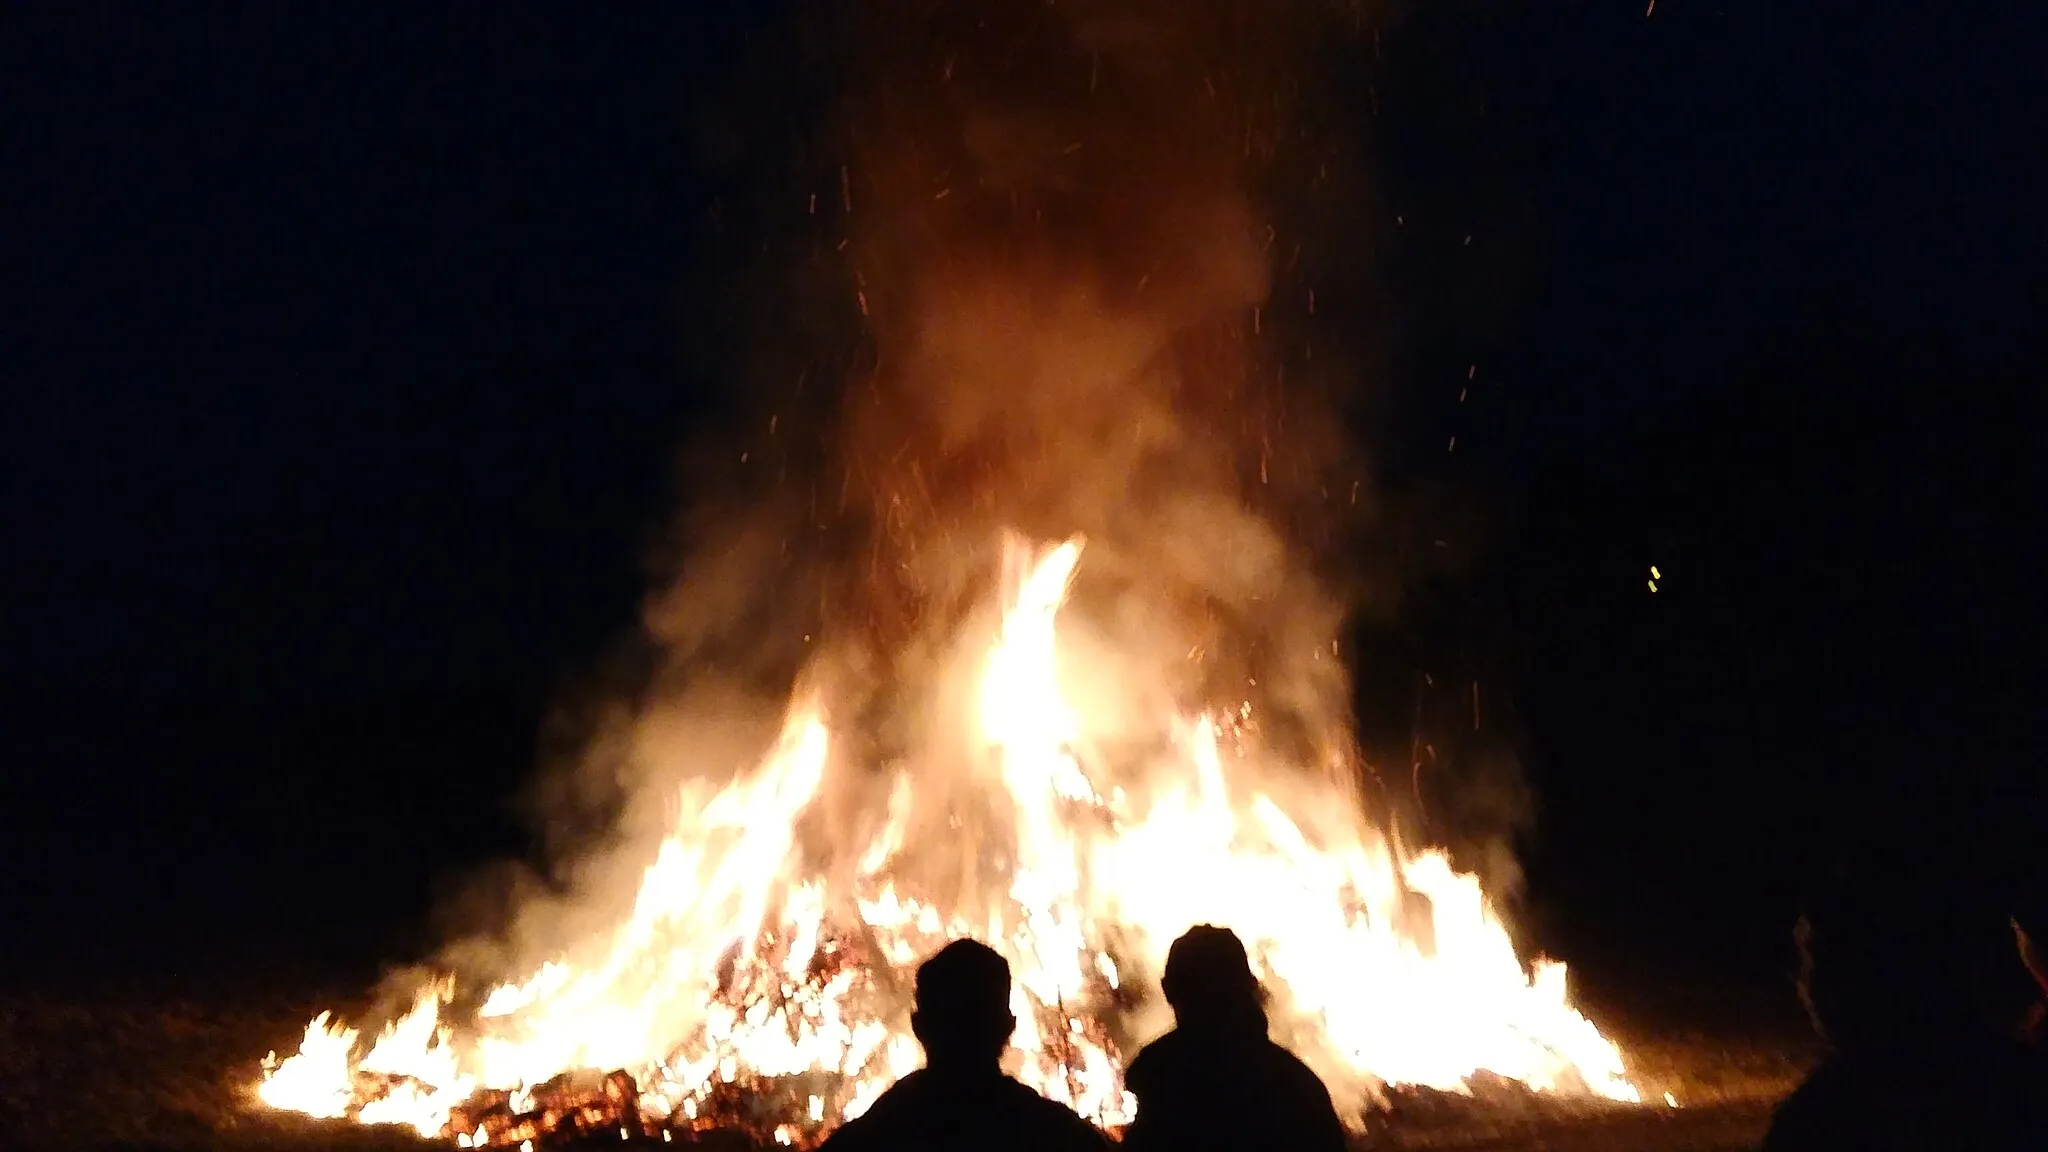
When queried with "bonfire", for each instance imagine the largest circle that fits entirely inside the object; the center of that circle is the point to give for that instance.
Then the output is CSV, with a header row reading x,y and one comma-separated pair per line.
x,y
759,985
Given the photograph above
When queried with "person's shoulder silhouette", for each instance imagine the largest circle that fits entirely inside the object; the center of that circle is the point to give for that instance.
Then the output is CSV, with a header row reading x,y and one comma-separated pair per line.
x,y
1910,988
961,1099
1217,1080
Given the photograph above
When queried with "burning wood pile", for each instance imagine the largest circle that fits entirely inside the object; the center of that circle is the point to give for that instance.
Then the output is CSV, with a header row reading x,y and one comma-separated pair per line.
x,y
571,1104
752,989
704,1090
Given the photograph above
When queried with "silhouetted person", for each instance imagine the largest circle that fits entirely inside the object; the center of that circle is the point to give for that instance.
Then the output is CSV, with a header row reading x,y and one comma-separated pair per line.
x,y
1915,992
961,1099
1216,1080
2030,933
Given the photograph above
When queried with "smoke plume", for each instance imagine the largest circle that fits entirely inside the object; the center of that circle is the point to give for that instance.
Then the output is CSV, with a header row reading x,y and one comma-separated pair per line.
x,y
1041,283
1055,241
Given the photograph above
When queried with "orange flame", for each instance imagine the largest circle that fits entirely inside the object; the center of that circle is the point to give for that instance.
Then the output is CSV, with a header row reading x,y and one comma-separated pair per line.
x,y
736,966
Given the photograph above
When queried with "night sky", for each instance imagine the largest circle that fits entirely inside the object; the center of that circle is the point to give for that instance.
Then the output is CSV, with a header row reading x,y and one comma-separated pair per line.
x,y
349,354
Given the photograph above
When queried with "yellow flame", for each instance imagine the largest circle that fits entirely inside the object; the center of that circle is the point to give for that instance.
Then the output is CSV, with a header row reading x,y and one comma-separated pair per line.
x,y
740,962
317,1080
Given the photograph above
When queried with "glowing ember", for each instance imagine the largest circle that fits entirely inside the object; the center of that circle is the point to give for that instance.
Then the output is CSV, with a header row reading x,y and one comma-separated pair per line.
x,y
750,986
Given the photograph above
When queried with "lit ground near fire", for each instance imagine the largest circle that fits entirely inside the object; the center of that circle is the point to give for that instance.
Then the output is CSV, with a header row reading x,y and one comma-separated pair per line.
x,y
126,1071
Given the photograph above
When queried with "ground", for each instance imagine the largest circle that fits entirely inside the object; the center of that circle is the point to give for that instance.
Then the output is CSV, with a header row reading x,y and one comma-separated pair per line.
x,y
156,1073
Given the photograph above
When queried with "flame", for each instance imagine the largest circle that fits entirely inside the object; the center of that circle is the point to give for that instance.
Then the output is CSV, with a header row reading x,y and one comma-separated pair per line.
x,y
317,1080
742,967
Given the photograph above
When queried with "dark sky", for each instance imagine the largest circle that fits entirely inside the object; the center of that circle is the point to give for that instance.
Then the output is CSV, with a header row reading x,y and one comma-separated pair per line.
x,y
347,356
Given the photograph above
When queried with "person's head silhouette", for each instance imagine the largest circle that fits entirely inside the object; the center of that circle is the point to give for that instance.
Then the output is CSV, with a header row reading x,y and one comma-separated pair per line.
x,y
1890,953
1209,982
963,1014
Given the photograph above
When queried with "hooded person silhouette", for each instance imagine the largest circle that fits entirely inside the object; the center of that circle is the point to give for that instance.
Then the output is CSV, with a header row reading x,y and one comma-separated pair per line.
x,y
1910,980
2029,921
961,1099
1217,1081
